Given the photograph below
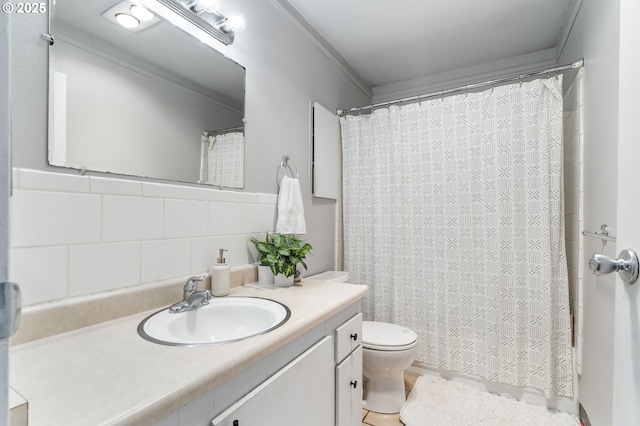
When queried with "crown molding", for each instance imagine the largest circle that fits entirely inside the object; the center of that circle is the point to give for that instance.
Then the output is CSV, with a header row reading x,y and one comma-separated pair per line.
x,y
289,12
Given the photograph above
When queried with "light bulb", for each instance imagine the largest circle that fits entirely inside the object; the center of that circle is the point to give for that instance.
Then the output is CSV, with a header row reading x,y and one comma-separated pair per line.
x,y
208,5
141,13
126,20
235,22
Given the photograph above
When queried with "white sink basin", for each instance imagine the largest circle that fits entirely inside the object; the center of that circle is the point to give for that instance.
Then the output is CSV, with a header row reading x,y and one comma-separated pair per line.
x,y
223,320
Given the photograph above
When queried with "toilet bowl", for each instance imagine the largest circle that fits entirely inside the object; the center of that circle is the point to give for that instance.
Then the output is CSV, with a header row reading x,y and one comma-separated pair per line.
x,y
388,350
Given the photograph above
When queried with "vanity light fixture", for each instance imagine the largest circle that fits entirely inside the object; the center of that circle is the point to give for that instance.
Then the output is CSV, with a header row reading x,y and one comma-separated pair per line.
x,y
207,5
142,13
199,18
126,20
204,15
130,15
235,22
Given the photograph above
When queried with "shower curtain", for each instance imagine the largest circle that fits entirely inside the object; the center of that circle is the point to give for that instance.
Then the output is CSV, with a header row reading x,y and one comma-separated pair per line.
x,y
222,162
453,216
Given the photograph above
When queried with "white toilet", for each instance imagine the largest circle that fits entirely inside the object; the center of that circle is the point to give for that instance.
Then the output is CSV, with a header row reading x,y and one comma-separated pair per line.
x,y
387,350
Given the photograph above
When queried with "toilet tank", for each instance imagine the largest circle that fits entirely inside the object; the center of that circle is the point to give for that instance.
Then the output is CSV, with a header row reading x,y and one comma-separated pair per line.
x,y
336,276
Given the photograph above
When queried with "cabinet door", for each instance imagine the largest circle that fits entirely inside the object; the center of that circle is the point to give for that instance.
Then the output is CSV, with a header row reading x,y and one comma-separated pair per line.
x,y
349,390
301,393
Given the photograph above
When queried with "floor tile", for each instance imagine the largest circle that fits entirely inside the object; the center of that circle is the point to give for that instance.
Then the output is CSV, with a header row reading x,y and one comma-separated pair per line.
x,y
409,381
377,419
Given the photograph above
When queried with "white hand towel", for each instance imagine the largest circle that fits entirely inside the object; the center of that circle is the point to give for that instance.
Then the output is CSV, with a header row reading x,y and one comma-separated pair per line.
x,y
290,209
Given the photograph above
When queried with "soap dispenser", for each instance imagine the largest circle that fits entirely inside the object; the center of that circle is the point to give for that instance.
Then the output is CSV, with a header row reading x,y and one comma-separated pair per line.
x,y
220,276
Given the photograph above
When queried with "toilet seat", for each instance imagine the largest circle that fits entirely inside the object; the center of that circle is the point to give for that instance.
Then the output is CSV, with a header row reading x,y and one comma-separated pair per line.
x,y
384,336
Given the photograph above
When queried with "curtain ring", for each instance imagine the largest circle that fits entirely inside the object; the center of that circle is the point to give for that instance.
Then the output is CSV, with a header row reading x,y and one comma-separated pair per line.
x,y
492,87
520,80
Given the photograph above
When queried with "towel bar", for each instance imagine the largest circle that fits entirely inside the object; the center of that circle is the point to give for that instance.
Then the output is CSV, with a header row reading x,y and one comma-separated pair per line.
x,y
603,233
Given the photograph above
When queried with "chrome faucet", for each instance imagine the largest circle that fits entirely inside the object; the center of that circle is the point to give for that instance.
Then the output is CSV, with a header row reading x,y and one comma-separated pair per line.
x,y
192,299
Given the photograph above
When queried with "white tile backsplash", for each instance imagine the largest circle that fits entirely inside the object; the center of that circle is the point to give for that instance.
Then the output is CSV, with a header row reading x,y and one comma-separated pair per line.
x,y
204,252
34,179
161,190
110,186
224,196
15,178
247,197
254,218
271,199
165,259
132,218
73,235
196,193
239,248
185,218
225,218
101,267
41,272
41,218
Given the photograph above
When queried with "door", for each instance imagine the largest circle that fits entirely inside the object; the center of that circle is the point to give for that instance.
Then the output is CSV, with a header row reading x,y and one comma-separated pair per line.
x,y
6,297
349,390
301,393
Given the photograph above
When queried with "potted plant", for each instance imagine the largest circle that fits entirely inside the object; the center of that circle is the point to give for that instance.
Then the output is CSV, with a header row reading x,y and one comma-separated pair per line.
x,y
283,254
264,248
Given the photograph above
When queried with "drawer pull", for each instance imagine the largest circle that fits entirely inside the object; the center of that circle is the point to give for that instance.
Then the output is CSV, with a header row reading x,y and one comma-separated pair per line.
x,y
354,336
354,384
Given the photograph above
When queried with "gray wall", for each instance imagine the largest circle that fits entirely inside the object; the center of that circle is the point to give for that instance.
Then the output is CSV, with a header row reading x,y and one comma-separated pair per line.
x,y
284,72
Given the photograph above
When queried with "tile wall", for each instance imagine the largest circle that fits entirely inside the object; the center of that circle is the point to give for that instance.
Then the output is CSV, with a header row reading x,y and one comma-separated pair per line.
x,y
73,235
339,260
574,211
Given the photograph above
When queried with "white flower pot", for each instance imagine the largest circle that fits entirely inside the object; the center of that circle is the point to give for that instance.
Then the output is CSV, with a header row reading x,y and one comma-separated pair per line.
x,y
282,281
265,276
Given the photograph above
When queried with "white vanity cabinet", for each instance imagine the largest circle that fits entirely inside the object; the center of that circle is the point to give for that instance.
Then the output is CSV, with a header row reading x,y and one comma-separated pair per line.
x,y
348,357
321,387
301,393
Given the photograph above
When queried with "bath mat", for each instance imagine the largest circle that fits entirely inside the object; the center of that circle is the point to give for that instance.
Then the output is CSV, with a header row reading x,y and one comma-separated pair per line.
x,y
438,402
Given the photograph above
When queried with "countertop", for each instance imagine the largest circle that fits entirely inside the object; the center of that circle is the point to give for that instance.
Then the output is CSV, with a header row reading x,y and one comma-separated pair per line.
x,y
108,374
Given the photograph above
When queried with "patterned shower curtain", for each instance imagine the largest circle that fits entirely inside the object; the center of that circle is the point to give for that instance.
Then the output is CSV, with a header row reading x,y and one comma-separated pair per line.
x,y
223,160
453,216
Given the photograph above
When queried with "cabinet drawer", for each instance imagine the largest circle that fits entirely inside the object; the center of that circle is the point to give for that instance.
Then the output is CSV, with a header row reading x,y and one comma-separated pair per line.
x,y
348,337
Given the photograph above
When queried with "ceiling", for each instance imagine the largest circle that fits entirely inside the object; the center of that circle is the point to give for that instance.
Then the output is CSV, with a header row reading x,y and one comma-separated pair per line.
x,y
390,41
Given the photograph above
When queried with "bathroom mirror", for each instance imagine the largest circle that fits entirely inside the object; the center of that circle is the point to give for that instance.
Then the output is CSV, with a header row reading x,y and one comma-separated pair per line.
x,y
151,102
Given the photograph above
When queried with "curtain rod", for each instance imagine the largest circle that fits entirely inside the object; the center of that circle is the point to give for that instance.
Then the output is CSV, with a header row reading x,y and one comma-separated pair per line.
x,y
577,64
222,131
